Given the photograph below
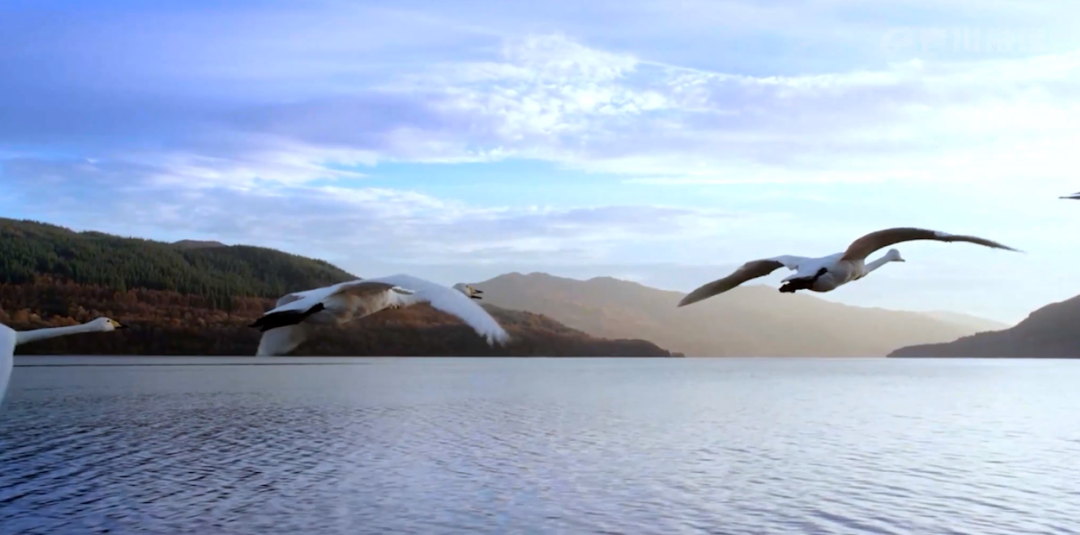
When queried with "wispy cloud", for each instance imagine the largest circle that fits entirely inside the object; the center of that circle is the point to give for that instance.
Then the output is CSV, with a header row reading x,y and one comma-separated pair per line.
x,y
391,224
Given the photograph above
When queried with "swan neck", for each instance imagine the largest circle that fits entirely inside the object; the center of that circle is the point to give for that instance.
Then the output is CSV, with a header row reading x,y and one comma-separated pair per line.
x,y
876,264
22,337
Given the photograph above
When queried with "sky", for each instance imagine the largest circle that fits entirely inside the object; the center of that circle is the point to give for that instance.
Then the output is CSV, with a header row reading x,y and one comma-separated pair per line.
x,y
660,142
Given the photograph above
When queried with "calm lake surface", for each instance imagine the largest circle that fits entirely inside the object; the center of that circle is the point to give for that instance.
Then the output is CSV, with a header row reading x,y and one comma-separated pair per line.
x,y
576,446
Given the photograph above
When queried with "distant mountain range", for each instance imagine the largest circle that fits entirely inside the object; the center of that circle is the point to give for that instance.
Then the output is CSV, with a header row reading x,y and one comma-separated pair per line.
x,y
1049,332
752,320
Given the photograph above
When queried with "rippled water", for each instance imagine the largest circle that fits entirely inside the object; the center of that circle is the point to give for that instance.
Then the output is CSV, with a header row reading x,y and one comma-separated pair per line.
x,y
430,446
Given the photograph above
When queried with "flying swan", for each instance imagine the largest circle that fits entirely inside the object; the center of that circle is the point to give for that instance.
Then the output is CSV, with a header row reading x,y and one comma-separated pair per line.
x,y
286,326
827,273
9,338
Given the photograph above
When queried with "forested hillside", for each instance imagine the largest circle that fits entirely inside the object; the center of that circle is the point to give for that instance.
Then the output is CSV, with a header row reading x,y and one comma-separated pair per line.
x,y
30,249
197,298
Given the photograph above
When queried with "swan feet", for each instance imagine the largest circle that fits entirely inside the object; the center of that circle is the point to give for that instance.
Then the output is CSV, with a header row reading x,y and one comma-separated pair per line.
x,y
805,283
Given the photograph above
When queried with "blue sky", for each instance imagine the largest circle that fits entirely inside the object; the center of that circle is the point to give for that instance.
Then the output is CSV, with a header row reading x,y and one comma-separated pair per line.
x,y
661,142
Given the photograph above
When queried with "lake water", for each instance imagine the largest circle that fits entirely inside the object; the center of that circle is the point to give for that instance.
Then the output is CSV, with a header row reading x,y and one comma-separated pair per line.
x,y
576,446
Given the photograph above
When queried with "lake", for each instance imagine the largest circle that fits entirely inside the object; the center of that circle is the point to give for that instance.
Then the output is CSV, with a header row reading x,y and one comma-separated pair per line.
x,y
575,446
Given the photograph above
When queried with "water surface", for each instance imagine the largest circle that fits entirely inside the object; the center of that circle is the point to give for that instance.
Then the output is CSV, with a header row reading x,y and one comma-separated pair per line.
x,y
577,446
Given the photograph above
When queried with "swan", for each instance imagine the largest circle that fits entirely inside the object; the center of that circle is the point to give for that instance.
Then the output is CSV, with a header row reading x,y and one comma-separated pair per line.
x,y
286,326
9,338
827,273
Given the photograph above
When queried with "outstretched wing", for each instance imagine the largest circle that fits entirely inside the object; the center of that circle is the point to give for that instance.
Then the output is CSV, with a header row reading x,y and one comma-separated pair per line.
x,y
282,340
748,271
347,299
286,299
350,292
866,245
447,300
792,262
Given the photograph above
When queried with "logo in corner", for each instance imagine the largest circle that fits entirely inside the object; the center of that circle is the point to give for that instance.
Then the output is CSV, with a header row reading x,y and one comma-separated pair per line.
x,y
898,39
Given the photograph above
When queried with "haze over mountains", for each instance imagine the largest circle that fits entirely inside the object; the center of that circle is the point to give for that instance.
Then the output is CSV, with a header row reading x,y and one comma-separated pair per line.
x,y
752,320
974,322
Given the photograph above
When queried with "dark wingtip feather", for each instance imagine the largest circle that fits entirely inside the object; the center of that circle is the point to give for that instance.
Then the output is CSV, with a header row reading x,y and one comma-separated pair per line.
x,y
692,297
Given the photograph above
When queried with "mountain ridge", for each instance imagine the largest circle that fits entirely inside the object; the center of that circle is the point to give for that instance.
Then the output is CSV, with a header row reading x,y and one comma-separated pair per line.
x,y
752,320
1047,332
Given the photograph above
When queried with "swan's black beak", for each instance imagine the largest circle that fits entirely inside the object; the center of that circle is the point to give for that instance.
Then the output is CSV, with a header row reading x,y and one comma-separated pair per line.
x,y
474,296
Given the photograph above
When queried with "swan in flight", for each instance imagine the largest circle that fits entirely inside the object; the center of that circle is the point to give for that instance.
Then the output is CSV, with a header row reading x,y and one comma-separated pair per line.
x,y
286,326
827,273
9,338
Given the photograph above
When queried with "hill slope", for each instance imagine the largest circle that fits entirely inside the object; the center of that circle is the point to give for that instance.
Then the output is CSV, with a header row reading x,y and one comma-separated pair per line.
x,y
748,321
1049,332
194,298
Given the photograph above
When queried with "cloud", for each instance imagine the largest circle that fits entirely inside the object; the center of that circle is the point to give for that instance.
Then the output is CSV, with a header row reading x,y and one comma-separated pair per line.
x,y
350,223
229,105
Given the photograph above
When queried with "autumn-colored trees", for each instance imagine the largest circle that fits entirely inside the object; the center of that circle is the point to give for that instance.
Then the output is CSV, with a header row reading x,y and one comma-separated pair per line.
x,y
199,301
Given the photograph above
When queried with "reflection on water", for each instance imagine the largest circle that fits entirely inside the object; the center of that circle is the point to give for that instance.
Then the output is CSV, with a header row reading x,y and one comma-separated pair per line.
x,y
577,446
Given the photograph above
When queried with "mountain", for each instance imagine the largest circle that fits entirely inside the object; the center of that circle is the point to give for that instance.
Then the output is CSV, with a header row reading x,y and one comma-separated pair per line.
x,y
973,322
1049,332
194,298
752,320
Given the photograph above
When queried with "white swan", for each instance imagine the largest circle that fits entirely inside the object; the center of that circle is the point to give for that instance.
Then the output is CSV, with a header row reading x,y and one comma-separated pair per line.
x,y
286,326
830,272
9,338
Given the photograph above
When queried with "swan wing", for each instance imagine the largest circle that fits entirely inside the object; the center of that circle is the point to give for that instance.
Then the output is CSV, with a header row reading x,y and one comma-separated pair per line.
x,y
445,299
309,298
313,295
748,271
346,301
792,262
362,298
282,340
866,245
286,299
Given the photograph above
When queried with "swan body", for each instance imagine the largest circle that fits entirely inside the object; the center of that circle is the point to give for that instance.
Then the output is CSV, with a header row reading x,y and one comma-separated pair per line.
x,y
828,273
287,325
9,338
